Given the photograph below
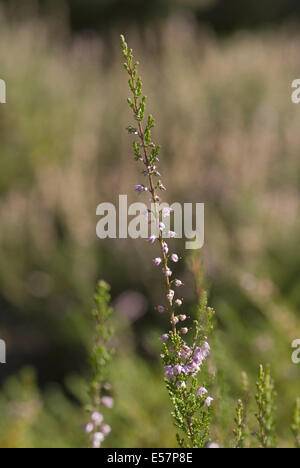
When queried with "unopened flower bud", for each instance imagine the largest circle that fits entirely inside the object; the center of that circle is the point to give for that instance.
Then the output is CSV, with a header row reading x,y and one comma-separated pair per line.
x,y
167,272
164,338
151,239
89,428
157,261
106,429
108,402
97,418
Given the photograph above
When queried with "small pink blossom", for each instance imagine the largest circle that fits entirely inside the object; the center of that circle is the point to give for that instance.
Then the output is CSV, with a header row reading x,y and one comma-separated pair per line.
x,y
140,188
184,331
178,283
108,402
169,372
165,248
167,272
181,384
97,418
151,239
157,261
98,439
106,429
208,401
164,338
171,234
170,295
160,309
202,391
178,302
89,428
178,369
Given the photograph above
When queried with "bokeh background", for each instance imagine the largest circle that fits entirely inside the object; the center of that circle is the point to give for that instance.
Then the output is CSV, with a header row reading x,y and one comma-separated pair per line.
x,y
218,76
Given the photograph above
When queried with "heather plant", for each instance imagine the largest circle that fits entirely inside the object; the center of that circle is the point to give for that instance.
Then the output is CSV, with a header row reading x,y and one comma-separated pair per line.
x,y
185,349
296,423
265,398
240,429
101,355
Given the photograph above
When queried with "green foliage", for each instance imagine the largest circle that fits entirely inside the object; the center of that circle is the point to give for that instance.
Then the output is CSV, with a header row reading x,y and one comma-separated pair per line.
x,y
296,424
145,150
240,432
265,398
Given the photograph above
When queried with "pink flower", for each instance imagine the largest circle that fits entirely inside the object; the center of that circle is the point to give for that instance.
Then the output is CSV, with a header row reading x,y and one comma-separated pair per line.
x,y
171,234
98,439
89,428
106,429
200,354
170,295
160,309
202,391
175,320
141,188
169,372
174,258
208,401
161,226
164,338
178,283
165,248
151,239
167,272
178,369
161,186
178,302
108,402
182,318
157,261
181,384
184,331
97,418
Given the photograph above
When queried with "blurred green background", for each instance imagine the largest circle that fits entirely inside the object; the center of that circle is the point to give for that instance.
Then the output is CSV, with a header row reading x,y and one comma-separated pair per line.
x,y
218,76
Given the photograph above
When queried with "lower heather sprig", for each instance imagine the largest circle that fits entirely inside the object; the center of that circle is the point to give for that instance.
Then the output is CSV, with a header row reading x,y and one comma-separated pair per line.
x,y
101,355
185,350
240,431
296,424
265,398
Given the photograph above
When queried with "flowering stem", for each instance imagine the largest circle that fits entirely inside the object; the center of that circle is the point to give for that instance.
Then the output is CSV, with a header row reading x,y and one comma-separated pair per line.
x,y
131,69
265,398
182,363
